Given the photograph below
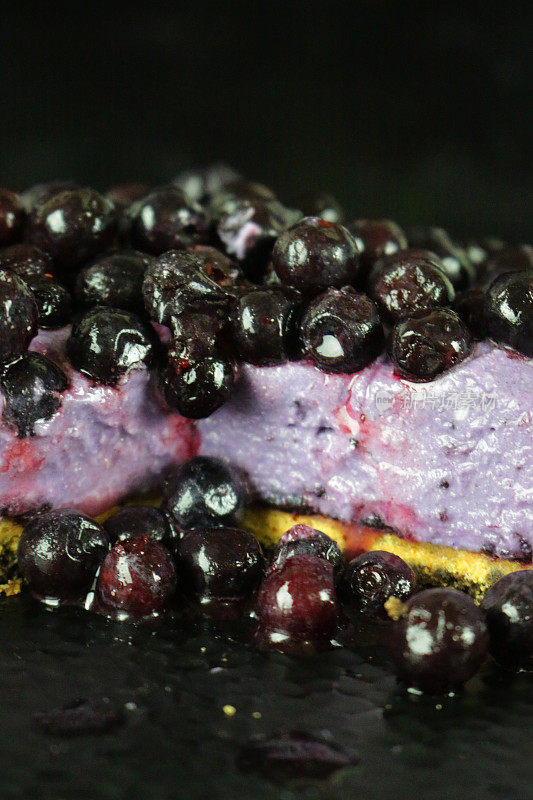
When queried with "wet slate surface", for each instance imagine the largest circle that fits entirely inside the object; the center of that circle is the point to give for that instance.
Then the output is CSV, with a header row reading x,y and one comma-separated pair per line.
x,y
154,697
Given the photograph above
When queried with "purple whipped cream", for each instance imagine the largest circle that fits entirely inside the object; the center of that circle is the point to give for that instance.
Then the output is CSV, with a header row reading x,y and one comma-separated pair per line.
x,y
449,462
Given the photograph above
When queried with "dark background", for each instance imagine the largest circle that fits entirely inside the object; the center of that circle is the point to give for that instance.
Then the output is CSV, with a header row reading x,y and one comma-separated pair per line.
x,y
415,111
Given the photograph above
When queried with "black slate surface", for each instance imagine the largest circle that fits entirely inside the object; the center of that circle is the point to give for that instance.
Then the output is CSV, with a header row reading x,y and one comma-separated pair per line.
x,y
163,686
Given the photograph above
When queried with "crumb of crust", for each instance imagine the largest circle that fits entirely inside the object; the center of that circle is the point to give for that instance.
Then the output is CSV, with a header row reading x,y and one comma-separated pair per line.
x,y
395,608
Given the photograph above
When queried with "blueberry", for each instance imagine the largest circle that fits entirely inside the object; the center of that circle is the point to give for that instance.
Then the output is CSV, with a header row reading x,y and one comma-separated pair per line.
x,y
248,232
32,387
228,198
131,522
18,316
205,491
480,250
470,306
341,331
506,259
114,280
422,348
53,300
196,390
219,563
175,283
304,540
107,343
319,204
200,184
40,192
296,604
218,267
440,641
264,326
26,260
194,338
453,259
123,195
59,553
509,311
136,579
73,225
379,238
166,220
314,255
407,283
509,609
371,578
12,217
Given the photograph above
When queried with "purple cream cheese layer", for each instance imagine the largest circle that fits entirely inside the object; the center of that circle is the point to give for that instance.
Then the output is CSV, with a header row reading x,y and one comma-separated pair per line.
x,y
448,462
101,445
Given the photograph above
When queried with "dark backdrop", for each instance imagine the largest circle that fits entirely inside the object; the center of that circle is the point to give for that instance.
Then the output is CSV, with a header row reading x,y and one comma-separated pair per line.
x,y
418,111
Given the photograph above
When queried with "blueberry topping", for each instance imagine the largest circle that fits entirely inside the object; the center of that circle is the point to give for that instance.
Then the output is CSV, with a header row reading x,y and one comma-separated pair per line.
x,y
453,259
125,194
131,522
314,255
509,609
107,343
54,302
12,217
218,267
304,540
18,316
341,331
371,578
248,232
196,390
195,337
41,192
26,260
175,283
73,225
379,238
480,251
407,283
227,200
205,491
296,604
319,204
114,280
470,306
264,326
167,220
32,386
59,553
440,641
422,348
219,563
200,184
137,579
509,311
506,259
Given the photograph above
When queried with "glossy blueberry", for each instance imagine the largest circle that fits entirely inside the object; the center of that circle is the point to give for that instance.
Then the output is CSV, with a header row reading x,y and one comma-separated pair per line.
x,y
228,198
107,343
296,604
73,225
53,300
509,311
506,259
248,232
423,347
509,609
371,578
218,267
480,250
166,220
175,283
319,204
137,579
26,260
205,492
12,217
314,255
18,316
264,326
408,283
341,331
40,192
59,553
453,259
114,280
379,238
195,390
32,387
304,540
195,337
200,184
440,641
131,522
123,195
470,305
219,563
